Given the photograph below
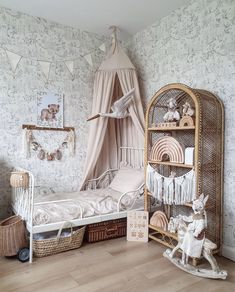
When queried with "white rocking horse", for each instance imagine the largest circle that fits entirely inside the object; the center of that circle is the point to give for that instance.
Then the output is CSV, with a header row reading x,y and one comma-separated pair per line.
x,y
192,242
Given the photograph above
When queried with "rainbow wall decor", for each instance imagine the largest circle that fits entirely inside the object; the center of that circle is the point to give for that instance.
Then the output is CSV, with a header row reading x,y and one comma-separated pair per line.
x,y
167,146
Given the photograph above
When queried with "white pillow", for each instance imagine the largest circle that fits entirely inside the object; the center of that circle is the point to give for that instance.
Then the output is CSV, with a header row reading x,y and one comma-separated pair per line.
x,y
127,179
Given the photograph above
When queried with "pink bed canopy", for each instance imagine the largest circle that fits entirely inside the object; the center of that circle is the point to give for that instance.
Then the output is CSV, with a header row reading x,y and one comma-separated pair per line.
x,y
115,77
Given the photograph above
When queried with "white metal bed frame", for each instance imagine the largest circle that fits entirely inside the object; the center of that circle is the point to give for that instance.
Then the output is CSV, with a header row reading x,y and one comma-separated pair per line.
x,y
23,199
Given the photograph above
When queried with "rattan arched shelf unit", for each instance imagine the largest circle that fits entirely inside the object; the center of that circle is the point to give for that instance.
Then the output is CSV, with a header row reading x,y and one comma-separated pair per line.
x,y
207,138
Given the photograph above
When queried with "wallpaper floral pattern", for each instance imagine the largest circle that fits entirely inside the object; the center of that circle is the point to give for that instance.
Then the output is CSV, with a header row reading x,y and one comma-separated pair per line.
x,y
38,39
195,45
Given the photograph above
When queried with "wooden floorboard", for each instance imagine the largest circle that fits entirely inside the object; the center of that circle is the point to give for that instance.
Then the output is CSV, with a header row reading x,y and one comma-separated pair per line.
x,y
115,265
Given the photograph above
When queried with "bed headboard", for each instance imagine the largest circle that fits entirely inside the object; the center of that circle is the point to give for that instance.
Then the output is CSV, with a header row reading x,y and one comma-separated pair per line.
x,y
131,156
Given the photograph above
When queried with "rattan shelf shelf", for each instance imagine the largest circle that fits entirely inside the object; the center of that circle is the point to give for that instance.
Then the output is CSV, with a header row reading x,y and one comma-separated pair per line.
x,y
167,233
163,237
186,204
206,136
163,129
171,164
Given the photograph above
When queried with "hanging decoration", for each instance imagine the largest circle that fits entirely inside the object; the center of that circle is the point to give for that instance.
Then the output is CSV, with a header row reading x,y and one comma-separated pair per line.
x,y
45,67
119,108
102,47
70,141
70,67
27,137
89,59
114,35
14,60
171,190
30,143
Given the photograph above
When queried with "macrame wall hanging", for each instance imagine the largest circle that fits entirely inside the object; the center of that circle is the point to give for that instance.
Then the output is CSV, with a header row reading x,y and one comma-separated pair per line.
x,y
31,143
171,190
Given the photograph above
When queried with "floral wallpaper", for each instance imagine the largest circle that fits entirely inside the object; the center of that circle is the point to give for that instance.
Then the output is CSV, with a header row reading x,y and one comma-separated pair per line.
x,y
38,39
195,45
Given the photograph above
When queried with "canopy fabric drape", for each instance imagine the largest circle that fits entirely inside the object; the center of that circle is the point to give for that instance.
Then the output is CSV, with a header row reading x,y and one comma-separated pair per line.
x,y
115,77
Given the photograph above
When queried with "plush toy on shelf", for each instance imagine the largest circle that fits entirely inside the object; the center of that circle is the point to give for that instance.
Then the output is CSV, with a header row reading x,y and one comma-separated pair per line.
x,y
187,109
188,113
172,114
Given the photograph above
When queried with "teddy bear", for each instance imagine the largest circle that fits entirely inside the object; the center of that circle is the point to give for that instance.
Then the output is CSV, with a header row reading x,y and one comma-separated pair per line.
x,y
50,113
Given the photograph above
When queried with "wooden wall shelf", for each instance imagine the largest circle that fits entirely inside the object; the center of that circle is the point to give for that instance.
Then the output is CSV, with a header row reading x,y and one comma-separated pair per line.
x,y
170,128
33,127
186,204
171,164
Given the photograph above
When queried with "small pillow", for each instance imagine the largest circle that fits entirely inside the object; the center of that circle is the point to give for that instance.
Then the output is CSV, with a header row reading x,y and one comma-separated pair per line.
x,y
127,179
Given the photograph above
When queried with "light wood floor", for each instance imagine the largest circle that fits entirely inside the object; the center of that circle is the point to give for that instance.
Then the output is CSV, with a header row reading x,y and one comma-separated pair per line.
x,y
115,265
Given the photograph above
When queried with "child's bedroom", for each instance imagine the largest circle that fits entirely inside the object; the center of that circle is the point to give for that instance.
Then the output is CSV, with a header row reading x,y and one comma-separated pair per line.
x,y
117,145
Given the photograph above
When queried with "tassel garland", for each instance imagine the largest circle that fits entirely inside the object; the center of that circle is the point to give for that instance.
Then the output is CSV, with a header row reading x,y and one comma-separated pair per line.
x,y
171,190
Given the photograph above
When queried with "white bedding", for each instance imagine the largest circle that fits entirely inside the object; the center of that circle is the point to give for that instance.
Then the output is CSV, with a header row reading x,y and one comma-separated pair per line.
x,y
83,204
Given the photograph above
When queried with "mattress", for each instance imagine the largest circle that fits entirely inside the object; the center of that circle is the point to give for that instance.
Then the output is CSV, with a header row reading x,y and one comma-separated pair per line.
x,y
81,204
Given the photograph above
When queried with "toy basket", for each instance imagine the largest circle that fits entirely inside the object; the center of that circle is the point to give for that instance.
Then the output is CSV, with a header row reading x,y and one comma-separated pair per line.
x,y
50,246
12,236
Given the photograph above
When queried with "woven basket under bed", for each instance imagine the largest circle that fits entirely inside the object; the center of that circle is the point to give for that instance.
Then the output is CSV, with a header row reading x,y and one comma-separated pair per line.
x,y
12,236
106,230
50,246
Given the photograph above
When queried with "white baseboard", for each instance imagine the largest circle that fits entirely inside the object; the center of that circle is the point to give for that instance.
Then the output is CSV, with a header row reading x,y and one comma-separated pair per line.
x,y
228,252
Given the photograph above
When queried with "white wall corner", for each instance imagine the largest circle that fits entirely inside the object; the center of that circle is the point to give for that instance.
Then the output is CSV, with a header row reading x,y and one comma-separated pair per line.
x,y
228,252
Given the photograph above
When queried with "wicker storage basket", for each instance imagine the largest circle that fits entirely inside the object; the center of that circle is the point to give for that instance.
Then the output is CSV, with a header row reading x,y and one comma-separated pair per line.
x,y
19,179
46,247
12,236
106,230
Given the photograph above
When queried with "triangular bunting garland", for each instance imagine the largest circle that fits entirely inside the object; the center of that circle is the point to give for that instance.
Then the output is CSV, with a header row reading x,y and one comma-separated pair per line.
x,y
14,60
88,59
45,67
70,67
102,47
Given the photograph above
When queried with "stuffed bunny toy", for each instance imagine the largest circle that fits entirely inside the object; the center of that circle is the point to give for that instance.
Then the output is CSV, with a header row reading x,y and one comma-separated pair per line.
x,y
194,237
